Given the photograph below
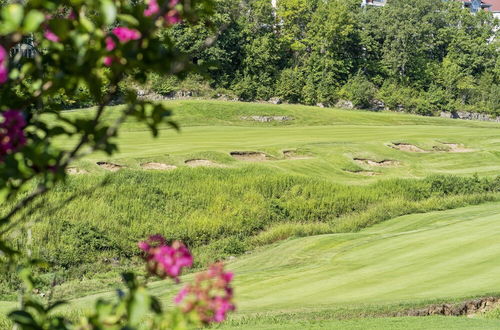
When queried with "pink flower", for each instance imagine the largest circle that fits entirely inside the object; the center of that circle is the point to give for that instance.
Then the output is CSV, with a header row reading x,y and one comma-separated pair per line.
x,y
110,44
210,296
125,34
108,60
12,136
172,17
181,295
4,71
164,260
153,8
72,14
49,35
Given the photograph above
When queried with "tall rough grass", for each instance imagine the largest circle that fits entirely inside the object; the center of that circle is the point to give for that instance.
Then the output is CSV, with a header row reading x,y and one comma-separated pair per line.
x,y
87,232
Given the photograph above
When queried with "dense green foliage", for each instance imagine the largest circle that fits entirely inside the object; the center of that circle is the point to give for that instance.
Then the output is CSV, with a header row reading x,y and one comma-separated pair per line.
x,y
420,56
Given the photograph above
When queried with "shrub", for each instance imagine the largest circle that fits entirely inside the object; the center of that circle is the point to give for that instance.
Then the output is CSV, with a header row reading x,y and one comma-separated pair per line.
x,y
359,90
164,84
290,84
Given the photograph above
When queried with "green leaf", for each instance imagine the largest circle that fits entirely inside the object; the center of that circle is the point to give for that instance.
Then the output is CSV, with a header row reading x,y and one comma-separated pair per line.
x,y
12,16
139,306
129,19
108,10
87,24
33,20
23,318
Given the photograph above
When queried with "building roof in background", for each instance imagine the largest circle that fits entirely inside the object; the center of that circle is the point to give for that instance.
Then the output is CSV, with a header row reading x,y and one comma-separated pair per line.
x,y
495,5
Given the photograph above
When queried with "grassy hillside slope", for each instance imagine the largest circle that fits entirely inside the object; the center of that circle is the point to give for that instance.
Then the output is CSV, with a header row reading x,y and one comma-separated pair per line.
x,y
331,138
415,257
437,256
88,234
408,261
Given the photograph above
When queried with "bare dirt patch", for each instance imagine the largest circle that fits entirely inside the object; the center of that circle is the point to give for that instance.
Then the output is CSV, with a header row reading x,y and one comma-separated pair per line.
x,y
364,173
292,154
75,170
455,147
470,307
407,147
382,163
158,166
200,163
109,166
250,156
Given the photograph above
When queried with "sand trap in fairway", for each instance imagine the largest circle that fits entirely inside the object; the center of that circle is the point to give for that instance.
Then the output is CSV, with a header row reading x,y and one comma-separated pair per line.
x,y
158,166
370,162
456,147
75,170
200,163
250,156
407,147
109,166
292,154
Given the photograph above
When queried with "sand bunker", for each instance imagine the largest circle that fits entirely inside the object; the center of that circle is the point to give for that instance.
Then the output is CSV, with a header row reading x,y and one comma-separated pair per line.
x,y
158,166
407,147
364,173
250,156
109,166
382,163
75,170
455,147
292,154
200,162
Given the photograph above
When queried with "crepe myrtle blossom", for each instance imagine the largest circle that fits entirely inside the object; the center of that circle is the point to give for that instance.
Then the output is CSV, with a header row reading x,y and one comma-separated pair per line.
x,y
108,60
153,8
110,44
4,70
171,17
49,35
165,260
125,34
210,296
12,136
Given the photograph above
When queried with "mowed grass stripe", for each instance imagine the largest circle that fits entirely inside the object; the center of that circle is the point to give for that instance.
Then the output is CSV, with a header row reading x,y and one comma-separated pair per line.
x,y
451,260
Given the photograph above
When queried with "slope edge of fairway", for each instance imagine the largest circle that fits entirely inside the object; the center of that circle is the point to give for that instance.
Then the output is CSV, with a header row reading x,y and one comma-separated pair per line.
x,y
419,257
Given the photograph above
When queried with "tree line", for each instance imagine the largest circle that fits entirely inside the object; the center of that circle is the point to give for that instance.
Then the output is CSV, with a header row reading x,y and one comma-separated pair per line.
x,y
420,56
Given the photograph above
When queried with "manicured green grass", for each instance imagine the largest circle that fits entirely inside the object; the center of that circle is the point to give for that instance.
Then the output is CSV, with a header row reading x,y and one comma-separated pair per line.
x,y
412,323
444,254
332,138
410,260
242,206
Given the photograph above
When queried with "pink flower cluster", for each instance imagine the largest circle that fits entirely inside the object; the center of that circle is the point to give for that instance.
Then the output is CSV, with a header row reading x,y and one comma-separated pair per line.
x,y
123,34
210,296
171,17
164,260
12,136
4,70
